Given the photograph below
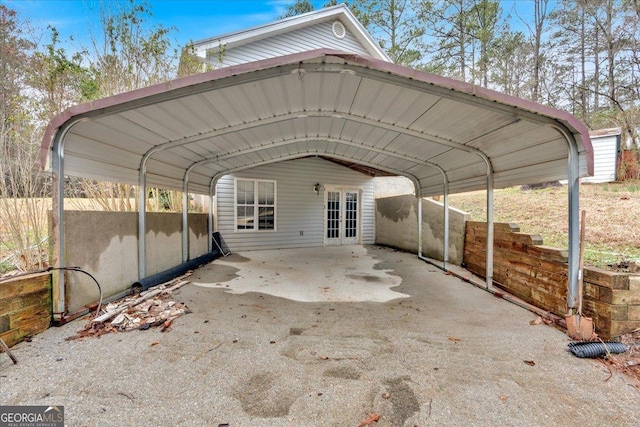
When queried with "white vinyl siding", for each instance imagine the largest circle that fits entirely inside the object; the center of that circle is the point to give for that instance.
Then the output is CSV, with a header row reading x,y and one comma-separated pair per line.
x,y
302,40
300,210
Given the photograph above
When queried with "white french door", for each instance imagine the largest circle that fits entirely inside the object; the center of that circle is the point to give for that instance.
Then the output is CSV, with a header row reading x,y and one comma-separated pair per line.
x,y
342,216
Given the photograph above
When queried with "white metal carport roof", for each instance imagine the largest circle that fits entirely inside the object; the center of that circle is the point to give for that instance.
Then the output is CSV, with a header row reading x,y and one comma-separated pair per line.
x,y
444,135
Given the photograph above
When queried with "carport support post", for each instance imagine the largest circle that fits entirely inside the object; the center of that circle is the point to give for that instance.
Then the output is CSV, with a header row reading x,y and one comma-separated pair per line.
x,y
574,224
142,221
489,270
419,226
185,217
57,225
445,243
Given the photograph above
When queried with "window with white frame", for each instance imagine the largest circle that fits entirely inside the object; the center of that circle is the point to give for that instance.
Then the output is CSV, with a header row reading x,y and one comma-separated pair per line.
x,y
255,204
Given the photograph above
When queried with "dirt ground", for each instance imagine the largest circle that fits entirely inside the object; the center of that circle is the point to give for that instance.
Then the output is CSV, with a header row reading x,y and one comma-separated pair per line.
x,y
448,354
612,217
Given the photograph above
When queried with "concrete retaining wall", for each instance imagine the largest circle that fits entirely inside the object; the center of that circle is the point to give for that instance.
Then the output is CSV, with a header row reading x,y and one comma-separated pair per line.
x,y
396,226
105,244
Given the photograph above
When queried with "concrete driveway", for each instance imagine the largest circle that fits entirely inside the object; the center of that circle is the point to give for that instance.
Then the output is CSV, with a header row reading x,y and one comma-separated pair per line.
x,y
326,351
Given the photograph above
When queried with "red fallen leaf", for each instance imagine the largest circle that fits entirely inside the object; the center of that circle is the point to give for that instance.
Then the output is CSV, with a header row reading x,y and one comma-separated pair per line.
x,y
368,421
530,362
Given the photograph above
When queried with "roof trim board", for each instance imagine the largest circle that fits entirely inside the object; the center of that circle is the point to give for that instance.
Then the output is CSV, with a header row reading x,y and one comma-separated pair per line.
x,y
338,12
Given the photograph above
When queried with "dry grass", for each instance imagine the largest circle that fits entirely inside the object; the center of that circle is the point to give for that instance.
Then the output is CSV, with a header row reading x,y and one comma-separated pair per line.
x,y
612,231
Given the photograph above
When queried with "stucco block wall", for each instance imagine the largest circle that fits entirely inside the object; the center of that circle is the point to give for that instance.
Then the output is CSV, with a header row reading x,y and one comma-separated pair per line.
x,y
105,244
397,226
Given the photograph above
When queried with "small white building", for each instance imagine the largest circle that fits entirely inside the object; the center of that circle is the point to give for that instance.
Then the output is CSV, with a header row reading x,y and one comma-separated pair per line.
x,y
606,146
306,202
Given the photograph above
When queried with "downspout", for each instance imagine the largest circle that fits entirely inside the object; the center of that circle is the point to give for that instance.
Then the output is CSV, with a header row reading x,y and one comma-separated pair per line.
x,y
57,221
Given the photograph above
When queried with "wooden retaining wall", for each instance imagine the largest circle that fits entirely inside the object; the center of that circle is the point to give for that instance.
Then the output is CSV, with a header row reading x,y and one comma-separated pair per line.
x,y
25,307
538,275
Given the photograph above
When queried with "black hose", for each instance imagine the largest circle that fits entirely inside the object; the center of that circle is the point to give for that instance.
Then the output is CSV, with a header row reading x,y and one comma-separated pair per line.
x,y
596,349
45,270
172,273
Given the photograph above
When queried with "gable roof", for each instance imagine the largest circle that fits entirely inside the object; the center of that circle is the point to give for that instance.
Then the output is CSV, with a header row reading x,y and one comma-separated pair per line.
x,y
288,25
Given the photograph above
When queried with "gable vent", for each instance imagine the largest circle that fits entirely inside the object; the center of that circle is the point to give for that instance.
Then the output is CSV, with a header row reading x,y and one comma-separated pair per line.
x,y
338,29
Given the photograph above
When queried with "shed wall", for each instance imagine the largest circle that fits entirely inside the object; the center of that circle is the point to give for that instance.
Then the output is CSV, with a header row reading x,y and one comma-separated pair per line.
x,y
305,39
299,210
605,152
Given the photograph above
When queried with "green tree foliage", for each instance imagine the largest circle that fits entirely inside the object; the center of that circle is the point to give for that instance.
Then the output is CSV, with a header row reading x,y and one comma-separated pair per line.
x,y
297,8
22,184
131,53
396,25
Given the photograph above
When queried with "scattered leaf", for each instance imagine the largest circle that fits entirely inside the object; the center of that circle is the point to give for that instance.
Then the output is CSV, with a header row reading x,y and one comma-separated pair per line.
x,y
537,321
530,362
325,358
504,397
154,343
454,339
386,396
367,422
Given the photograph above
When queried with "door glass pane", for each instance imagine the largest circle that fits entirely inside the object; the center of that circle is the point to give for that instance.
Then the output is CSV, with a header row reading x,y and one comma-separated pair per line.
x,y
351,215
333,214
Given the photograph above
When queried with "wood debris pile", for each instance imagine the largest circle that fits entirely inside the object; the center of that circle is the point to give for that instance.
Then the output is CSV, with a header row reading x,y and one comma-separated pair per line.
x,y
145,310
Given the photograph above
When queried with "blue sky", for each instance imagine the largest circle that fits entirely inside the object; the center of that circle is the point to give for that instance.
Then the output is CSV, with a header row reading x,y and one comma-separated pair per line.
x,y
192,19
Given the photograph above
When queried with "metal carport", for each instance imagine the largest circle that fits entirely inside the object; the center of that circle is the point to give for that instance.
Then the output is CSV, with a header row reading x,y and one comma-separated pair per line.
x,y
445,135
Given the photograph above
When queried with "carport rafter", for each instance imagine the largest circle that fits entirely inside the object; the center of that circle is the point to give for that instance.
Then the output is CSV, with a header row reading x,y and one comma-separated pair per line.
x,y
185,241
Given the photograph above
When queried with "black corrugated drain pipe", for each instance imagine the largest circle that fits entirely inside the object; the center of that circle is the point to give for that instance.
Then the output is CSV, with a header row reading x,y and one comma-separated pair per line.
x,y
596,349
179,270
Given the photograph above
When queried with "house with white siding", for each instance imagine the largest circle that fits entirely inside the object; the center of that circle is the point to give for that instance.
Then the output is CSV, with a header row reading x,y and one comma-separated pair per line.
x,y
312,201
